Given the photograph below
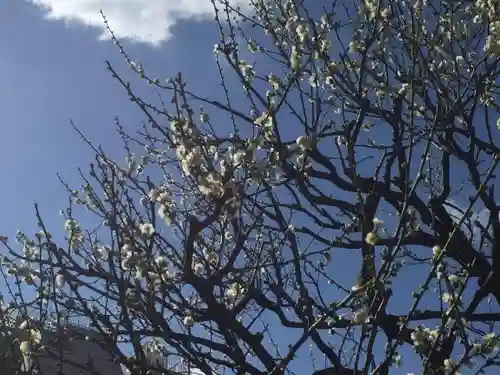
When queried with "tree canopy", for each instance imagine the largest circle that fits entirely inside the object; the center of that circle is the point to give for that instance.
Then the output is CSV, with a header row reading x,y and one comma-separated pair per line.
x,y
329,209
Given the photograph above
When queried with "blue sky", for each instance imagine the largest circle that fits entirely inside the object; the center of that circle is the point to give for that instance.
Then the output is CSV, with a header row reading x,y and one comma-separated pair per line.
x,y
52,70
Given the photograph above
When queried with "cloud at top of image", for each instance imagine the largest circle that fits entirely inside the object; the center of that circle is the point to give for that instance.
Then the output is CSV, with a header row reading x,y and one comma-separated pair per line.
x,y
145,21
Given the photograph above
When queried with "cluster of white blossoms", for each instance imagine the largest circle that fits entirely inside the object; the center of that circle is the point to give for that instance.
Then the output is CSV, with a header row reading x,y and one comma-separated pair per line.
x,y
30,339
452,28
157,272
299,30
30,249
486,11
234,291
91,200
274,81
130,258
357,45
211,184
302,32
60,280
370,8
198,268
246,70
146,229
101,252
191,157
197,158
188,321
372,237
75,234
492,43
305,143
424,338
218,170
436,251
361,315
449,365
491,343
165,200
450,298
210,258
24,272
341,140
265,120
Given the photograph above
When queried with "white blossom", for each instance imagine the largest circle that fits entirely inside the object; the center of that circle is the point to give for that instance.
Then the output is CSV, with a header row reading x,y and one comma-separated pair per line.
x,y
60,280
154,194
147,229
371,238
238,157
70,224
341,140
377,223
210,256
246,70
198,268
360,315
436,250
160,261
274,81
449,365
231,294
264,120
25,347
188,321
404,89
304,142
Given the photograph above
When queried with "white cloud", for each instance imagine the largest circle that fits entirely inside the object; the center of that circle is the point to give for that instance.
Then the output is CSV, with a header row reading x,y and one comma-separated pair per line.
x,y
147,21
